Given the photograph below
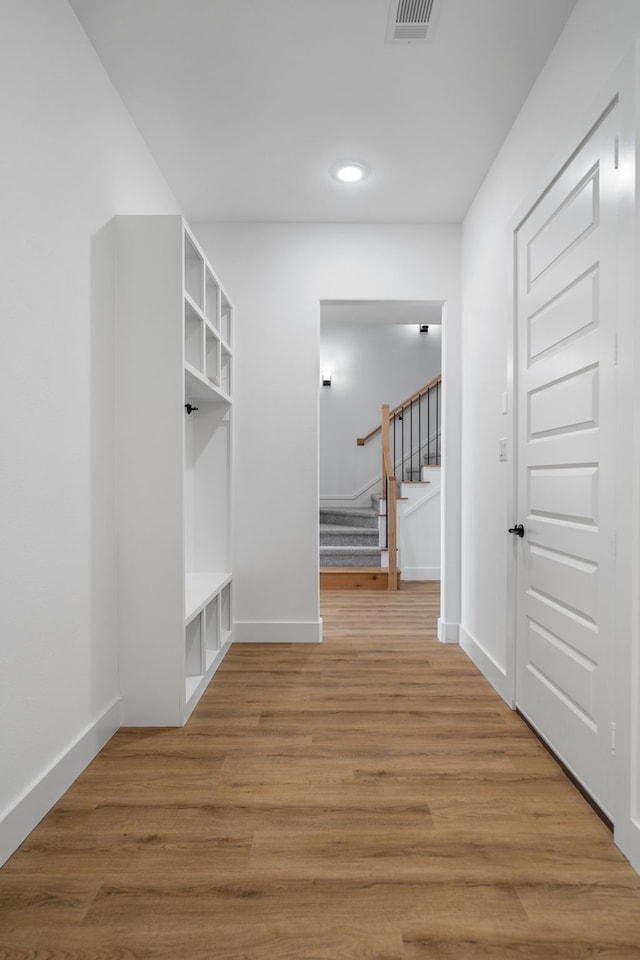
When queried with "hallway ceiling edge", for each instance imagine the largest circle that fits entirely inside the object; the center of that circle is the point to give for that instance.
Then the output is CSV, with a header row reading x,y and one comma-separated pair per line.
x,y
247,105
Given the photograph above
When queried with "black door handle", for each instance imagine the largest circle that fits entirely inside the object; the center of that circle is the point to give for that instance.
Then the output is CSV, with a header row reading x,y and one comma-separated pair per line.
x,y
518,530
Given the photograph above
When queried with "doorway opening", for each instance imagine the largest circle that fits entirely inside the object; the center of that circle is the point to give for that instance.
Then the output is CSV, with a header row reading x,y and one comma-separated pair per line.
x,y
374,353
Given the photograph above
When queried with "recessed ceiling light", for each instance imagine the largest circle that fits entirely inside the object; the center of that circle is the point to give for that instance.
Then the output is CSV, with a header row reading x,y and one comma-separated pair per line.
x,y
349,171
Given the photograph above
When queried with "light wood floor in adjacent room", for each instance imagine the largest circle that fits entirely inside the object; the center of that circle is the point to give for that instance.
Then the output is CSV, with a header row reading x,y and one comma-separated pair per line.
x,y
370,798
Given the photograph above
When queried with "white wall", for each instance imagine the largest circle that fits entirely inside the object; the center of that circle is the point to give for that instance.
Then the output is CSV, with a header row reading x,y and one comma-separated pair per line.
x,y
550,125
71,159
372,364
277,274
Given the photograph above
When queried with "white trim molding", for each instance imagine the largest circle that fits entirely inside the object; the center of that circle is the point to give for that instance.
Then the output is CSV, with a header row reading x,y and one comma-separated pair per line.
x,y
277,631
372,485
27,811
420,573
448,632
485,663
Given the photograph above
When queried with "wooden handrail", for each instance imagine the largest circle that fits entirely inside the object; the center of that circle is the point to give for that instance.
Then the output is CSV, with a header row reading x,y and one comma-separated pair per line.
x,y
390,495
387,468
401,406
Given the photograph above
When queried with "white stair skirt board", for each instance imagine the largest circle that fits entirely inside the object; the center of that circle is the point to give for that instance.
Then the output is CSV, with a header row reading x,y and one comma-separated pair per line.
x,y
17,822
493,672
419,530
276,631
448,632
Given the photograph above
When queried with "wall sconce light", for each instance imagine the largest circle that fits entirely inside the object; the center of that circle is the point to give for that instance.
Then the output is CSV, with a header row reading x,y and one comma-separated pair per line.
x,y
424,328
326,378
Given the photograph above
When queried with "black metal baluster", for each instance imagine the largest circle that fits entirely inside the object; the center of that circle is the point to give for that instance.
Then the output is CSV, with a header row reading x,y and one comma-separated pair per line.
x,y
393,460
437,423
420,437
386,511
411,442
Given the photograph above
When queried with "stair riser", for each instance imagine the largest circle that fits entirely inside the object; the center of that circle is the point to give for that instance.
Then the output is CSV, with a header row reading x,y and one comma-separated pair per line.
x,y
349,538
335,518
348,560
335,540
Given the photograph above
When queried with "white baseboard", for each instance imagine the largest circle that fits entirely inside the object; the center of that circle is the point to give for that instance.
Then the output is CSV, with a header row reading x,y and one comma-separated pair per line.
x,y
420,573
448,632
626,834
25,814
487,666
276,631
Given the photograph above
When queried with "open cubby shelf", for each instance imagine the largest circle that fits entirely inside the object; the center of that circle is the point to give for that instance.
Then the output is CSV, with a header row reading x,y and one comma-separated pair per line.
x,y
199,387
200,588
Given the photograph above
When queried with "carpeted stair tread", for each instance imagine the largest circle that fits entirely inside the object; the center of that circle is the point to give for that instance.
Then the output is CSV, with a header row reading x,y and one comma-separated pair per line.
x,y
349,516
349,537
336,534
349,556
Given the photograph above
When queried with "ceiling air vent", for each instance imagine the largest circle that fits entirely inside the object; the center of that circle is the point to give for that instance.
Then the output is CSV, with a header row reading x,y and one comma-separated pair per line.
x,y
411,21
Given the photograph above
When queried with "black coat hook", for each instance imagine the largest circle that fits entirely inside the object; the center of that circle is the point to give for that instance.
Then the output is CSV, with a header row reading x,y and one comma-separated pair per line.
x,y
189,408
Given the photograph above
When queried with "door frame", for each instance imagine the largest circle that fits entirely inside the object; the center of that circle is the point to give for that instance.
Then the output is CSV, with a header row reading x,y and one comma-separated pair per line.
x,y
448,627
622,87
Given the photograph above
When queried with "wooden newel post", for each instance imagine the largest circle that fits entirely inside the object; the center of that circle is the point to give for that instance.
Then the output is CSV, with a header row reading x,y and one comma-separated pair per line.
x,y
389,494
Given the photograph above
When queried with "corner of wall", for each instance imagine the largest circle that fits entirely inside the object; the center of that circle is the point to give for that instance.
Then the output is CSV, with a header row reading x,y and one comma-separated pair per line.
x,y
491,670
448,632
26,813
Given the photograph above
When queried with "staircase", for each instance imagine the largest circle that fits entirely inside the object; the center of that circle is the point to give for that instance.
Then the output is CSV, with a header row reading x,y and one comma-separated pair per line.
x,y
350,554
349,537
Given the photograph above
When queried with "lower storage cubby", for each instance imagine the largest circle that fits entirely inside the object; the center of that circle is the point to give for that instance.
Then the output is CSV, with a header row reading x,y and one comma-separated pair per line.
x,y
194,666
225,613
207,633
212,629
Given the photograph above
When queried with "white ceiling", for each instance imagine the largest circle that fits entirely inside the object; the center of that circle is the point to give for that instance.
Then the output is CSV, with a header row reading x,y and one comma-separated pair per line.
x,y
247,104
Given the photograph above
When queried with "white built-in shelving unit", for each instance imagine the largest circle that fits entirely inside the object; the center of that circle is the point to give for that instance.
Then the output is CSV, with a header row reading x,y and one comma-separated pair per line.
x,y
174,381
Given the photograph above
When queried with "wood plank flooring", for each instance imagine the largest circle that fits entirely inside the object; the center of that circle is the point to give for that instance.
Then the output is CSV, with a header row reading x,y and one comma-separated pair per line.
x,y
370,798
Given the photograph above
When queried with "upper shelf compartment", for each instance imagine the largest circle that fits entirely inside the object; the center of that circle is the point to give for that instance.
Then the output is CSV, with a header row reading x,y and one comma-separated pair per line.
x,y
212,295
207,315
193,271
226,319
197,387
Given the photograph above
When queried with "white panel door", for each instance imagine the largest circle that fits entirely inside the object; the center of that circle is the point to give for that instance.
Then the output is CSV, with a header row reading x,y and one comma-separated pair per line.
x,y
566,366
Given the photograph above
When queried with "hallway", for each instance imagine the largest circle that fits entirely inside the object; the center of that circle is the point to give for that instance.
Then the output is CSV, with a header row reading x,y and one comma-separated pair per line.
x,y
370,797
